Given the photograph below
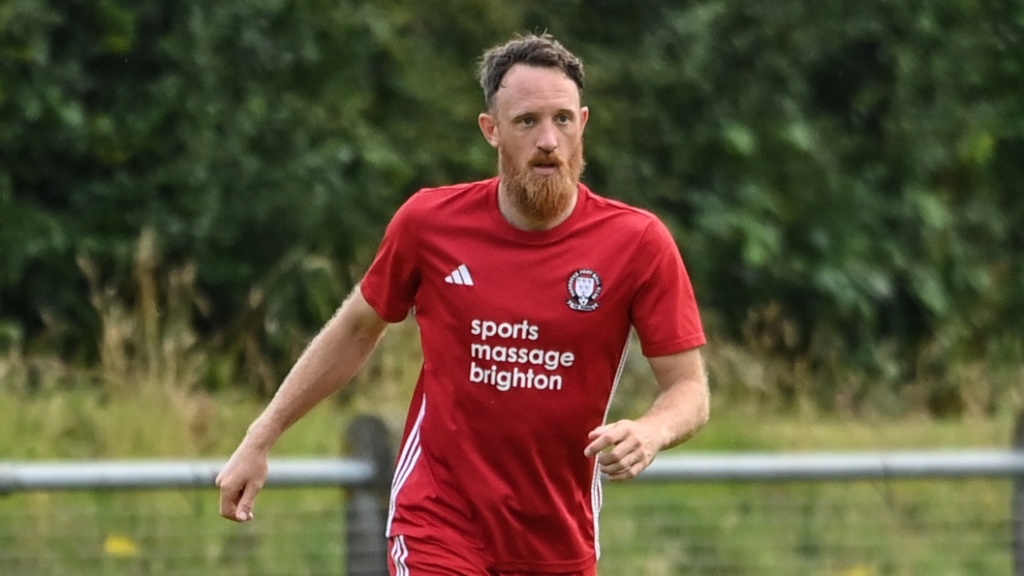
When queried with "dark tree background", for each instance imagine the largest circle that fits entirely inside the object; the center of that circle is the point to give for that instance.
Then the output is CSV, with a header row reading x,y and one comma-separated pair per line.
x,y
850,171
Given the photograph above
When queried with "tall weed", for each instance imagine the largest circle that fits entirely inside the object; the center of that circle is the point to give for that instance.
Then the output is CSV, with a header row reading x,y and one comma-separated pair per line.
x,y
147,339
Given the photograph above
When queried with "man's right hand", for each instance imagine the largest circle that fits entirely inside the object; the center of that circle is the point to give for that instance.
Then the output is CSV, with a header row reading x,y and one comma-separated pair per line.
x,y
240,481
330,361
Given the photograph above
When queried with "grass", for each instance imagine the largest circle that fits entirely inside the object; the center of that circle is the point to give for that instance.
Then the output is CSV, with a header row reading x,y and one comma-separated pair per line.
x,y
895,527
842,529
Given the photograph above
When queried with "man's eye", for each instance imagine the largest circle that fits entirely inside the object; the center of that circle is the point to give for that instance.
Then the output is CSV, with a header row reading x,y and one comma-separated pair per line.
x,y
563,118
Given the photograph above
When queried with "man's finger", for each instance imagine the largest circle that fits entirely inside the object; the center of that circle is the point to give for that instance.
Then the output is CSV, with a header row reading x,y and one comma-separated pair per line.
x,y
600,430
623,469
615,456
243,513
596,446
229,502
601,440
603,437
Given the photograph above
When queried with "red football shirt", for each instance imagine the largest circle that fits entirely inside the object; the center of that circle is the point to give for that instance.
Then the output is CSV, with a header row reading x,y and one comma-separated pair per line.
x,y
524,336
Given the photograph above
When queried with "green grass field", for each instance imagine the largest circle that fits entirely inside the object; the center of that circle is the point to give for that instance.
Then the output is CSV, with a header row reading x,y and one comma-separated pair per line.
x,y
843,529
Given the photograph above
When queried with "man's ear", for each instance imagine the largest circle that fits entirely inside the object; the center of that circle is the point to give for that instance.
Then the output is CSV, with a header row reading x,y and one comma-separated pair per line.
x,y
489,127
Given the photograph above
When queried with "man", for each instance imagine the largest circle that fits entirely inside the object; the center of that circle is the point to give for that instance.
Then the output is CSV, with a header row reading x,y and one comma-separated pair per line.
x,y
525,288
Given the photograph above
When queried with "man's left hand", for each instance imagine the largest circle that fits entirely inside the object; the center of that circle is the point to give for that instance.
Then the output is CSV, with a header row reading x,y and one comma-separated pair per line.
x,y
623,449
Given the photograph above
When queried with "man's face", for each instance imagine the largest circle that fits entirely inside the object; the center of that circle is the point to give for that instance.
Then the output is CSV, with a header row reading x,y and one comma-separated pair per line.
x,y
537,126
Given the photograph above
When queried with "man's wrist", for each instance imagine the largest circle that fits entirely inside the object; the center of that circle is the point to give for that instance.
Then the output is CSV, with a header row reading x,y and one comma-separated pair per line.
x,y
262,435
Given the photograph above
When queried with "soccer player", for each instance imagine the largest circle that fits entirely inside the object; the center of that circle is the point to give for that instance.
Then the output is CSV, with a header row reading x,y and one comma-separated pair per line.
x,y
525,288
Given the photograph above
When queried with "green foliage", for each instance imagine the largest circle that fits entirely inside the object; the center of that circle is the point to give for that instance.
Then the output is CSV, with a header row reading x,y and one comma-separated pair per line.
x,y
842,162
841,178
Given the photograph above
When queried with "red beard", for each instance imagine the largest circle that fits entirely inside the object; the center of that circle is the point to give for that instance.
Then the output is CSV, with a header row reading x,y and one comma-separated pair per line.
x,y
538,197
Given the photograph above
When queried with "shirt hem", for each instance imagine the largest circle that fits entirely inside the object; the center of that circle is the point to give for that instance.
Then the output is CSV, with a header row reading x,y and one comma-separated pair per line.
x,y
683,345
554,566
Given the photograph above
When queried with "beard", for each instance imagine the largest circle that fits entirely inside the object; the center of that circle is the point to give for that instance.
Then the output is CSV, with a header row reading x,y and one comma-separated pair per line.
x,y
538,197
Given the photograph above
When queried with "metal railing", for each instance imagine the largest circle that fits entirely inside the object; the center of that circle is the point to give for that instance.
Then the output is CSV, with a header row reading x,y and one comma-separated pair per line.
x,y
366,471
355,473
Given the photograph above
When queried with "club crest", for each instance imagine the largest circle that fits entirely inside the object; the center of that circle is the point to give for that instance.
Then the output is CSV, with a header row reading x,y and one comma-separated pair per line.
x,y
584,288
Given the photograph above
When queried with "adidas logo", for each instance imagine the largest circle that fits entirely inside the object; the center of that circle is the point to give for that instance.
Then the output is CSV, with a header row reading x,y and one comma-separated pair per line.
x,y
460,276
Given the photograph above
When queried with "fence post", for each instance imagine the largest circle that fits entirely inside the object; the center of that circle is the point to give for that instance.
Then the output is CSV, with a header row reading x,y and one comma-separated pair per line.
x,y
1017,520
366,507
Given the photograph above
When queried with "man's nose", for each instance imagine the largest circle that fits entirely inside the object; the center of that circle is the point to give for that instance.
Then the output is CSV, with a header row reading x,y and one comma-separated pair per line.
x,y
547,139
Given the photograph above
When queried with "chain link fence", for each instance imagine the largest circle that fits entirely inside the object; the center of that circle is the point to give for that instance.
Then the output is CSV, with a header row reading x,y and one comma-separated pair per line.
x,y
169,533
820,528
950,514
863,528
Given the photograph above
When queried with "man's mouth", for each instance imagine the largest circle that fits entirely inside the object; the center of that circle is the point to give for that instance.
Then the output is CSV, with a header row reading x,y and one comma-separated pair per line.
x,y
545,167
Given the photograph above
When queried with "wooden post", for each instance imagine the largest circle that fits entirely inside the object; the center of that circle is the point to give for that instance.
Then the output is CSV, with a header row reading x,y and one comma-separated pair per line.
x,y
1017,518
366,508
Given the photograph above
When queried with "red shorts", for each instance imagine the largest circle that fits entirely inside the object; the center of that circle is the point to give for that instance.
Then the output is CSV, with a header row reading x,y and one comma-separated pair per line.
x,y
409,556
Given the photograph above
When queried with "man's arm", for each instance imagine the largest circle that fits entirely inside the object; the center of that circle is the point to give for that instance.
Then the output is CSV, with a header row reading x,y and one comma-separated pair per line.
x,y
625,448
330,361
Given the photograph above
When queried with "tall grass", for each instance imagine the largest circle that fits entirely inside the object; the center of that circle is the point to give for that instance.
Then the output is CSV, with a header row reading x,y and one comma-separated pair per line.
x,y
144,396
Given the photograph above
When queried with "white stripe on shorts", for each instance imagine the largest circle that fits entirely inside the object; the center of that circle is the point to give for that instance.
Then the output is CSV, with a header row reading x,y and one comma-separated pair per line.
x,y
399,553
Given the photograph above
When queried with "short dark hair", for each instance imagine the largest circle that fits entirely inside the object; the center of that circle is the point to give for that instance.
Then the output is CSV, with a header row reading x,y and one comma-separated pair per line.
x,y
542,51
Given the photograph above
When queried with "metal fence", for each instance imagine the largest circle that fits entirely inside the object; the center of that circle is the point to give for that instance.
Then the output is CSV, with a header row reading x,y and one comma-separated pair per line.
x,y
922,513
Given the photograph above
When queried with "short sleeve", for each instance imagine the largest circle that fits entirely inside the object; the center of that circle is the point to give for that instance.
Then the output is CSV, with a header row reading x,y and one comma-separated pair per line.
x,y
664,310
392,280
